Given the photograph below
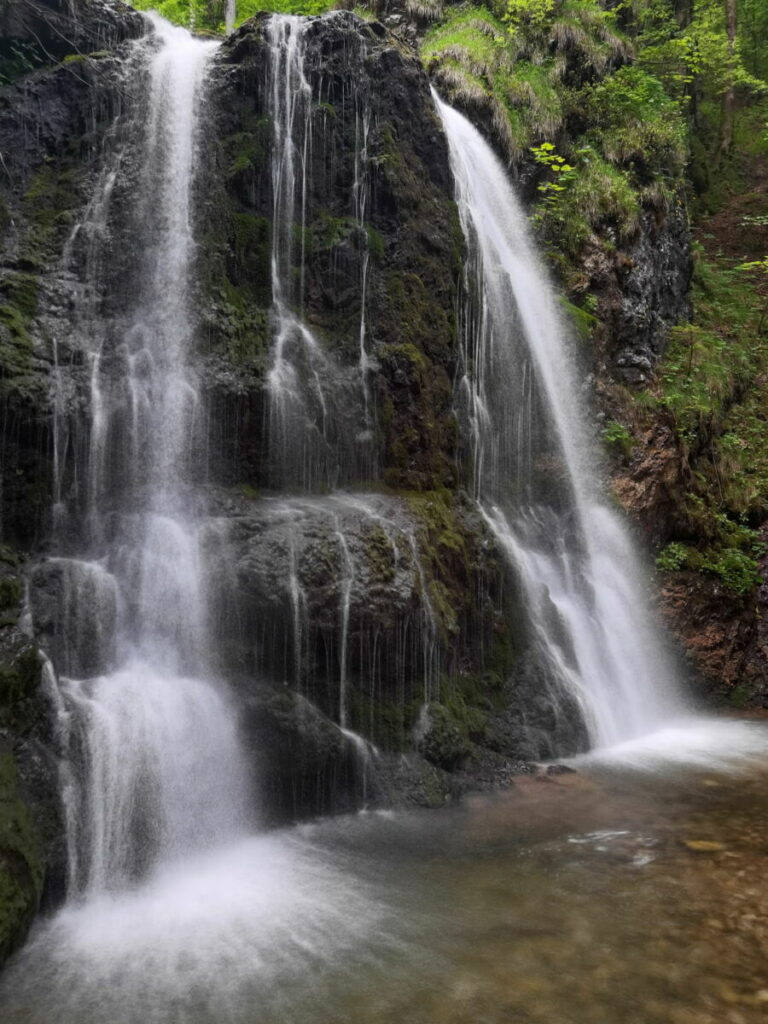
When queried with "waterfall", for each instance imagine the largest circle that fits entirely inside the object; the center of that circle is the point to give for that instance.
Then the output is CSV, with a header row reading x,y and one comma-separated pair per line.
x,y
154,739
230,16
534,476
321,421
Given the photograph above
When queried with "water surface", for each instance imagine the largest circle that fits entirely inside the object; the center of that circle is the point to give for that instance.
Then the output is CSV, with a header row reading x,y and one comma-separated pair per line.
x,y
615,895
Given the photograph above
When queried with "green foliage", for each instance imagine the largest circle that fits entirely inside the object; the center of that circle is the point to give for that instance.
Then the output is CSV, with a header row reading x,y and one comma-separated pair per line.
x,y
737,570
475,62
708,362
760,265
599,195
562,172
694,52
616,436
534,14
732,555
710,382
672,557
208,15
636,123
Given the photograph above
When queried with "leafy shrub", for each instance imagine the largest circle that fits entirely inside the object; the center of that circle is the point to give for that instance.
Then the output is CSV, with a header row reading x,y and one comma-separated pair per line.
x,y
672,557
617,437
635,122
737,570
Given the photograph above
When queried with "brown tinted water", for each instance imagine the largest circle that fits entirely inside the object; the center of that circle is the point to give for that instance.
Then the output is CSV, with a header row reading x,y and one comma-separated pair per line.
x,y
609,896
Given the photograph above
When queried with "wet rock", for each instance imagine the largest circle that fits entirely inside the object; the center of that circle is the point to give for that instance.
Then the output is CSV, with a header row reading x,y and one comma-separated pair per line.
x,y
442,742
538,719
411,241
303,763
37,33
654,291
703,845
32,854
20,869
410,781
74,609
651,488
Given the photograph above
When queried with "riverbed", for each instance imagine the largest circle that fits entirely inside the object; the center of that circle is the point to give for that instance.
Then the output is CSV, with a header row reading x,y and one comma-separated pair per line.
x,y
631,890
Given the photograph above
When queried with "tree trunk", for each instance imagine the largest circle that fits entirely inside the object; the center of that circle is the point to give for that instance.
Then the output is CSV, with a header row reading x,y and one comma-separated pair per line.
x,y
728,108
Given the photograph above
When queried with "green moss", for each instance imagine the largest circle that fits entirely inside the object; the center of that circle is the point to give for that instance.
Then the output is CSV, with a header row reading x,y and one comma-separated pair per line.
x,y
19,680
443,546
375,242
583,321
47,207
419,318
10,556
249,491
246,151
17,367
252,244
387,722
445,743
79,58
243,327
617,438
379,554
328,232
21,872
21,292
11,591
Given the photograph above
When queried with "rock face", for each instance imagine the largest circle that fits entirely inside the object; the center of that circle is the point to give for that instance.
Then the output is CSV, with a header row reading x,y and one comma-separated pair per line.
x,y
368,626
53,120
32,856
652,291
376,191
38,33
383,613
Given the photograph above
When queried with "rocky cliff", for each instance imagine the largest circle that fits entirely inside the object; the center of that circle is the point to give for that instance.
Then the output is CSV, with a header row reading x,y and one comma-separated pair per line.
x,y
382,609
369,628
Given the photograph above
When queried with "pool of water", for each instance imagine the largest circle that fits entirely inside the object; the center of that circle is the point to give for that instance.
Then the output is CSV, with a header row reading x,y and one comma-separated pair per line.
x,y
632,891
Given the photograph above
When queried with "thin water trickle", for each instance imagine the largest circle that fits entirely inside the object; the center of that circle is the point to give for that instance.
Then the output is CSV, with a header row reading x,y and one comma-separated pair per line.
x,y
322,429
230,16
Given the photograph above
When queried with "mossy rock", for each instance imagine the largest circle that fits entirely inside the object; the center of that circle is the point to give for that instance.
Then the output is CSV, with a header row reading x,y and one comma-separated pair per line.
x,y
19,681
444,742
21,871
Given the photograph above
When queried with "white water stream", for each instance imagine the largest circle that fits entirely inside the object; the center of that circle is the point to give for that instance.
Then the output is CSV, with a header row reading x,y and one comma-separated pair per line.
x,y
230,16
161,771
534,476
371,918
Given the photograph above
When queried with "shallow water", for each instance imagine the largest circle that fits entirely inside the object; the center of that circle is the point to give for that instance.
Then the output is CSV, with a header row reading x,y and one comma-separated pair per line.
x,y
571,899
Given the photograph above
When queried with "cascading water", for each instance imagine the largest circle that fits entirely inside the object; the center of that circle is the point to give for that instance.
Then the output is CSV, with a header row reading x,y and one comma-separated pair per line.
x,y
533,473
320,412
230,16
161,772
345,919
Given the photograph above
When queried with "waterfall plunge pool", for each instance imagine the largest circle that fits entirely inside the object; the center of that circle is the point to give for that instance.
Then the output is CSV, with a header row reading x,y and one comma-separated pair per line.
x,y
613,895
